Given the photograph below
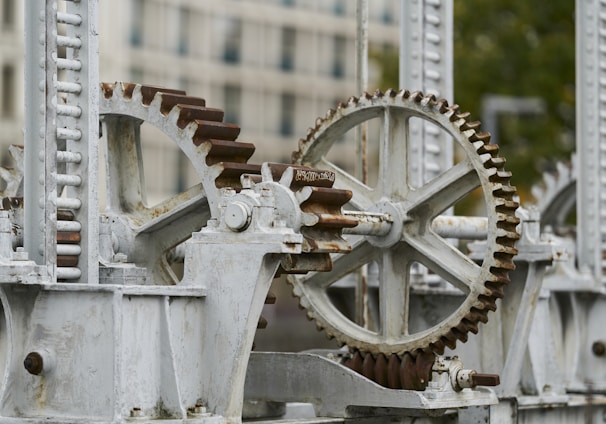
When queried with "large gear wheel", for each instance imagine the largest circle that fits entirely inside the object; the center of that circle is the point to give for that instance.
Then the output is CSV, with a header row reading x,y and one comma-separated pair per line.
x,y
412,239
145,234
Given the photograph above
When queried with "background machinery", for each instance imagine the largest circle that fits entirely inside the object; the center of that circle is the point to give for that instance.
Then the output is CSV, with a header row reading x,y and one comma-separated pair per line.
x,y
148,312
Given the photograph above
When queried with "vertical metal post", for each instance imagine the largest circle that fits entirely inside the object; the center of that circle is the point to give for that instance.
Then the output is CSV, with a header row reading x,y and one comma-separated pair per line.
x,y
34,128
61,152
49,181
361,293
591,134
426,64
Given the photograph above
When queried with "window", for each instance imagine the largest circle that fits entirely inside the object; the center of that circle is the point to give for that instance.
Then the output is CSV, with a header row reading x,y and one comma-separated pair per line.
x,y
233,41
339,54
136,29
338,7
183,36
287,62
232,95
287,117
8,13
386,16
8,91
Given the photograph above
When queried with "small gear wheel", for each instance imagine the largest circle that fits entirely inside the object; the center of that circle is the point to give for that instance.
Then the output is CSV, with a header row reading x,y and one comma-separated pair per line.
x,y
412,239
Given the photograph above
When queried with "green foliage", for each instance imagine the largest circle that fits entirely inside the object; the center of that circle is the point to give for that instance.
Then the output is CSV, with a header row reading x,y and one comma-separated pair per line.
x,y
514,48
519,48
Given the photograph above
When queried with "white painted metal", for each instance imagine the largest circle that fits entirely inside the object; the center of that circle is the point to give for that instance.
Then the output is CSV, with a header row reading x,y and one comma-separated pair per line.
x,y
591,132
426,64
120,345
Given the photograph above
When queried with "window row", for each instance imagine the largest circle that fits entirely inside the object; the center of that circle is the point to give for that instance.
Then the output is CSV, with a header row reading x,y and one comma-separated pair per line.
x,y
235,41
7,13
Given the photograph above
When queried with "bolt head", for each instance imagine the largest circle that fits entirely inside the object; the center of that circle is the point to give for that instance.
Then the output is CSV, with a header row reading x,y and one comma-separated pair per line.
x,y
33,363
598,348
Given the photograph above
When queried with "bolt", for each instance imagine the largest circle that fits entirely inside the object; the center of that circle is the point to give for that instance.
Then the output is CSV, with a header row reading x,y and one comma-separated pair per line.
x,y
598,348
136,412
34,363
199,410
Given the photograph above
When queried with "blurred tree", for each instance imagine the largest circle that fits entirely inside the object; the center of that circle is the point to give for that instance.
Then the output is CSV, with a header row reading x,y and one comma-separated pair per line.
x,y
514,48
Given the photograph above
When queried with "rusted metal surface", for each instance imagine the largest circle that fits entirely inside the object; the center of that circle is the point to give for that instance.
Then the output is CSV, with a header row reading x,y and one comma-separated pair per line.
x,y
34,363
490,380
229,151
408,371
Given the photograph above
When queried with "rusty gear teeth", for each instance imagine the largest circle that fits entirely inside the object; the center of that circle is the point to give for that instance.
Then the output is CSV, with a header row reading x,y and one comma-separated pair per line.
x,y
497,263
407,372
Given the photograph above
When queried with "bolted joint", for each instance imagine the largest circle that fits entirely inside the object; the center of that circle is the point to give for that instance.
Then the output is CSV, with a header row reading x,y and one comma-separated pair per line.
x,y
39,362
599,348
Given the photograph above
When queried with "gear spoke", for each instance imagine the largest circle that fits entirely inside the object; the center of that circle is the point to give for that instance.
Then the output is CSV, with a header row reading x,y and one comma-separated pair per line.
x,y
125,169
394,292
445,260
442,192
394,169
361,252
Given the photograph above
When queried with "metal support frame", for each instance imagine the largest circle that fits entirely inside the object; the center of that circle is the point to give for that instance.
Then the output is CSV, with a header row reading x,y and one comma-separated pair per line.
x,y
426,63
63,152
591,127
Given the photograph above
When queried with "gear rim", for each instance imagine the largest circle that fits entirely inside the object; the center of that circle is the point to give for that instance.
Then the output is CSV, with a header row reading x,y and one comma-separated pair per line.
x,y
497,192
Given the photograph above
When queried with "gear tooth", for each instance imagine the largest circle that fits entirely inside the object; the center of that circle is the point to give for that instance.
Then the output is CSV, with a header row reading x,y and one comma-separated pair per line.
x,y
495,162
473,125
368,367
391,93
459,334
107,89
380,370
262,323
438,347
453,111
450,340
378,93
488,303
470,325
496,289
485,148
430,98
341,105
484,137
404,94
330,113
353,101
417,96
442,105
393,372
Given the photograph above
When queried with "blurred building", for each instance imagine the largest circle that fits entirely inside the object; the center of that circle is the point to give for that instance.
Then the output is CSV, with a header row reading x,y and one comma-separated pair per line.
x,y
272,65
11,75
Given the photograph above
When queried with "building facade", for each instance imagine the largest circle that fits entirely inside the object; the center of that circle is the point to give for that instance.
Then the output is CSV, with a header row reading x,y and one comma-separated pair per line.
x,y
274,66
